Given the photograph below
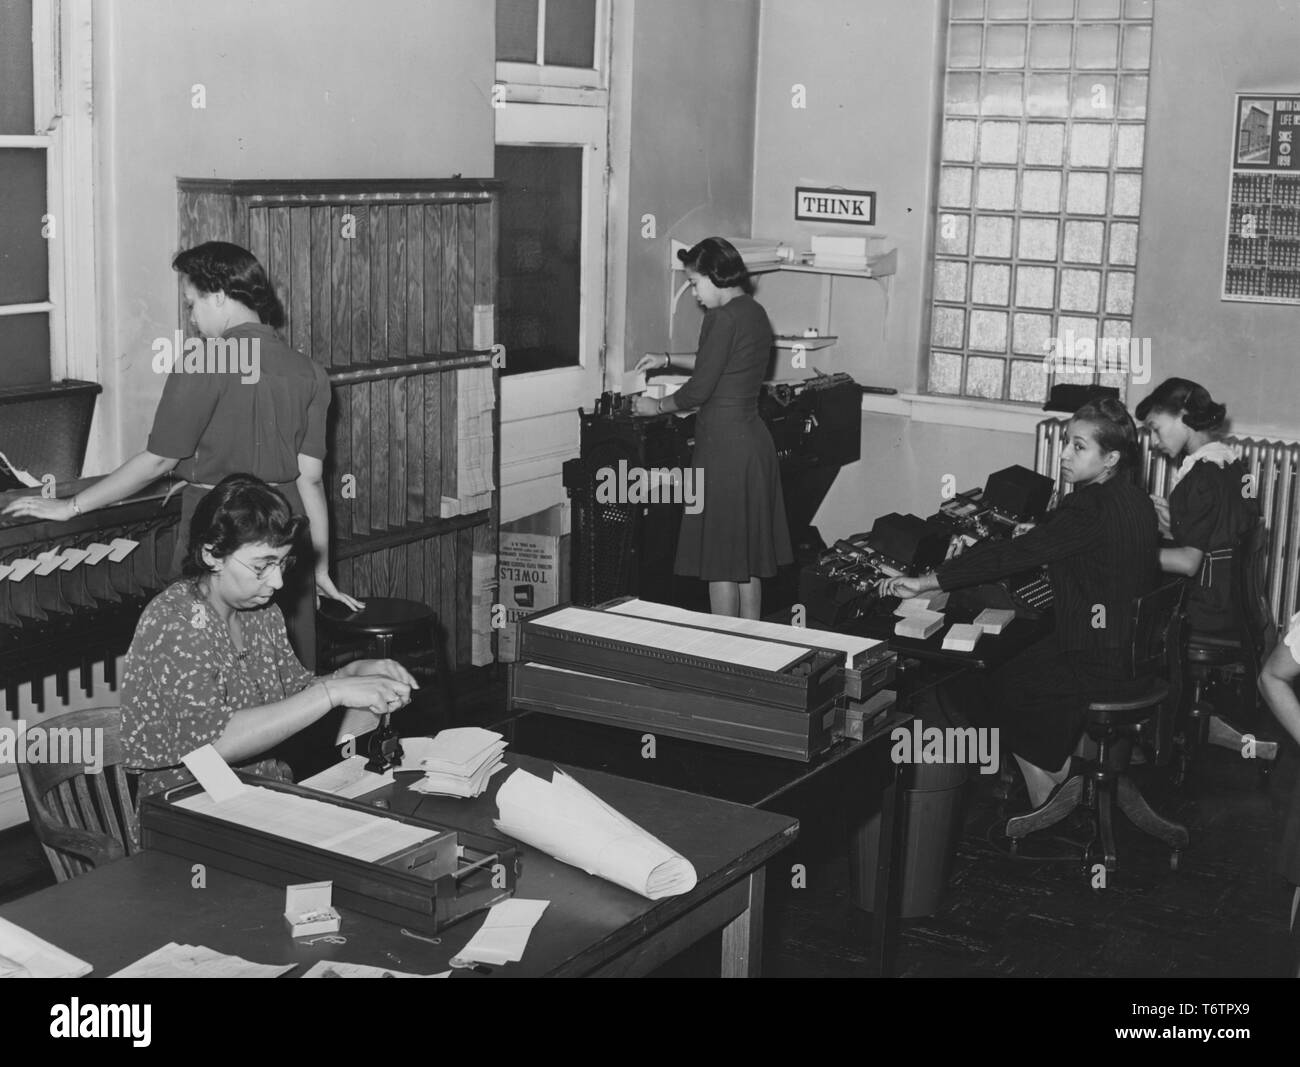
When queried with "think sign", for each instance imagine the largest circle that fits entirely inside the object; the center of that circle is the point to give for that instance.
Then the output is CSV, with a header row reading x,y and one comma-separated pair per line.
x,y
853,206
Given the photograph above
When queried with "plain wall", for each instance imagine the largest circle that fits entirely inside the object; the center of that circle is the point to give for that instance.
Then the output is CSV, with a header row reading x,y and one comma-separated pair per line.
x,y
1203,52
692,156
294,89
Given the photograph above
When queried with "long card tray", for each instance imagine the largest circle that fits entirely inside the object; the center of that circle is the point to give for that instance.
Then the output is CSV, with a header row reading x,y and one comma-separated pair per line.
x,y
695,716
485,868
809,683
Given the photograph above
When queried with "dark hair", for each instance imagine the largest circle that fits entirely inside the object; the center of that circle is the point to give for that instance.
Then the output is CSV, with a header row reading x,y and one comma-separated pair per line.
x,y
1115,429
220,267
717,259
1186,400
240,510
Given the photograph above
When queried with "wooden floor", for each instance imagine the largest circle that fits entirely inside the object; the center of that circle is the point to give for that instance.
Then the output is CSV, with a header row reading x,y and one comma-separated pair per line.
x,y
1222,914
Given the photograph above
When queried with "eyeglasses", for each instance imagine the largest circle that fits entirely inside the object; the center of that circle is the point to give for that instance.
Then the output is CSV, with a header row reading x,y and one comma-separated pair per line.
x,y
260,572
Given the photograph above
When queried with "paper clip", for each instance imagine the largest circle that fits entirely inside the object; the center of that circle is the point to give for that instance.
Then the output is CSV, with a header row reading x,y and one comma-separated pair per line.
x,y
329,939
421,937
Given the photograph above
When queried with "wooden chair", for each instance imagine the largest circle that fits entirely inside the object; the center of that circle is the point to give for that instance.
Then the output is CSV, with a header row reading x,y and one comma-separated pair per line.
x,y
82,820
1231,661
1102,782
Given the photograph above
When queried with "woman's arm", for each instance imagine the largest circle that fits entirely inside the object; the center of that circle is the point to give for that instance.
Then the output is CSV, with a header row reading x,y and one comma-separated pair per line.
x,y
133,475
311,488
1277,685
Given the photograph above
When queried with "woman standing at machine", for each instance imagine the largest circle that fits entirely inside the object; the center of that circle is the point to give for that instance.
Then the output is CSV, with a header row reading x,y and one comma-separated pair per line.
x,y
208,424
1100,547
739,536
1210,505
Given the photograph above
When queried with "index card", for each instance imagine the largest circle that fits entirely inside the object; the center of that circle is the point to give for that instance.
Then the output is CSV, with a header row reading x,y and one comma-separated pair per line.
x,y
213,773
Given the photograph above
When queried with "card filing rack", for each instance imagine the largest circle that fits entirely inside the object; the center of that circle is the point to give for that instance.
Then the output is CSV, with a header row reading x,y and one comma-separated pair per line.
x,y
805,685
426,887
72,592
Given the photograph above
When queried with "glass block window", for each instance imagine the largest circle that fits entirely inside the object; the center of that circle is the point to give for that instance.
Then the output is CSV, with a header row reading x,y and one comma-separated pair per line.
x,y
1039,194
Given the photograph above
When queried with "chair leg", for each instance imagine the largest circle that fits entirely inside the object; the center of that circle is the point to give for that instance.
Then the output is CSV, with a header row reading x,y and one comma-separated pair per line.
x,y
1058,806
1105,794
1133,804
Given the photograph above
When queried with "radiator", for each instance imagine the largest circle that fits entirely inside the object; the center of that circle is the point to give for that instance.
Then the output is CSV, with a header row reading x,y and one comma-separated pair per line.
x,y
1273,465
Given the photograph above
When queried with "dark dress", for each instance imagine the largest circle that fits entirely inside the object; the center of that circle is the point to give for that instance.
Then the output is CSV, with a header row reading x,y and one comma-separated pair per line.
x,y
1209,510
740,532
218,424
1100,548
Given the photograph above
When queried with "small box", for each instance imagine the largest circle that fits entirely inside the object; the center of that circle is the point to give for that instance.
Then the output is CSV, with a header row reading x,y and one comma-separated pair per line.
x,y
919,626
308,909
961,637
994,620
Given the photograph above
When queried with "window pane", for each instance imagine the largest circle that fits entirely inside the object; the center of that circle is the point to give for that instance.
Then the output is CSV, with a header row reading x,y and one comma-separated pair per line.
x,y
1006,47
1049,96
1049,47
988,331
1137,47
1129,152
16,103
991,284
945,373
948,327
1098,9
984,377
1119,293
1080,290
517,31
24,349
1028,381
1042,191
1094,96
954,235
1123,243
950,281
954,187
959,140
1098,47
1045,144
24,258
1030,334
1038,239
961,94
1035,287
1083,241
964,45
1002,94
1086,194
1053,9
1008,9
997,189
1090,144
540,252
993,237
1000,142
571,33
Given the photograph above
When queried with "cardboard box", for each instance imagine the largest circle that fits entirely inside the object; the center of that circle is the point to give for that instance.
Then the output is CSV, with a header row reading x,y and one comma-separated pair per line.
x,y
533,571
308,910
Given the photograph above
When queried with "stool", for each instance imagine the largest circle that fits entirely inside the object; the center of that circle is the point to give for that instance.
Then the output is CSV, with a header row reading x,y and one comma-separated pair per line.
x,y
377,625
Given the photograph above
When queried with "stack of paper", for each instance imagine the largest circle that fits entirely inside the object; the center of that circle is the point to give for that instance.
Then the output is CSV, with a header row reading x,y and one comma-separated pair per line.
x,y
485,593
994,620
504,934
195,961
24,955
925,602
920,624
475,401
961,637
562,818
457,762
348,779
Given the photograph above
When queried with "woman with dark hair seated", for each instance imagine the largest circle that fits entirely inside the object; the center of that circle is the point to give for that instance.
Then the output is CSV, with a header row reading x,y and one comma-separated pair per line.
x,y
1100,548
264,414
210,662
1212,502
740,535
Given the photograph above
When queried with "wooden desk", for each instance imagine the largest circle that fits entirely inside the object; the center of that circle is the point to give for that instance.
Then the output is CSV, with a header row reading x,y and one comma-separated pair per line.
x,y
990,652
115,915
856,776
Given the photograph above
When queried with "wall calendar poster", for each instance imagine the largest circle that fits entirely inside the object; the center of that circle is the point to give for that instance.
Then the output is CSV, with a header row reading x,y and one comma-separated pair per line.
x,y
1261,260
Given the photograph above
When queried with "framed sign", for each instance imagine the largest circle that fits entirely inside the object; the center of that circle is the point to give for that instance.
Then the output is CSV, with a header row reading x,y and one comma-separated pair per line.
x,y
856,207
1261,257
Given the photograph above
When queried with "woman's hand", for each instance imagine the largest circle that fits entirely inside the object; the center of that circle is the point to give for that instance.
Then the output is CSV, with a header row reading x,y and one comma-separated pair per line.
x,y
39,507
385,668
651,361
325,587
646,405
1162,514
1021,528
904,588
374,692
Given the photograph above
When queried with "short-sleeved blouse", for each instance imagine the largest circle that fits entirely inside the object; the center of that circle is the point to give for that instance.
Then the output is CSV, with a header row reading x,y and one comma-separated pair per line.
x,y
220,422
184,680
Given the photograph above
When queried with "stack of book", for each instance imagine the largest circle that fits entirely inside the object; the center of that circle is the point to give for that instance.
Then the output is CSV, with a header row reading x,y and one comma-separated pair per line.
x,y
458,762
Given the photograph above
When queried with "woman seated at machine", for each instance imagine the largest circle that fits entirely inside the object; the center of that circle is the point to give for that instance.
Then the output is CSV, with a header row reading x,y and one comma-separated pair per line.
x,y
1100,548
210,662
1210,505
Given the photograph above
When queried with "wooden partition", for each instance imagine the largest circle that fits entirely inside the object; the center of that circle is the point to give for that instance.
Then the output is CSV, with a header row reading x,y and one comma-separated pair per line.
x,y
391,286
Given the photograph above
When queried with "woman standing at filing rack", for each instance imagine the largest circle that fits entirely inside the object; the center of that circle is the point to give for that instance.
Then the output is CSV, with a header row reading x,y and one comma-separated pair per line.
x,y
1211,504
739,536
1100,547
268,420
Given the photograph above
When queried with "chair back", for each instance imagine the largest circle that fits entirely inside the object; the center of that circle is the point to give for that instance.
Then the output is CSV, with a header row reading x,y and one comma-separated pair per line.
x,y
1257,626
1158,649
82,819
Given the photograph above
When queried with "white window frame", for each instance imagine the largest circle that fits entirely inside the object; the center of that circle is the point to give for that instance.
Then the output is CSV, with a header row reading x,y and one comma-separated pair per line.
x,y
61,70
540,82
